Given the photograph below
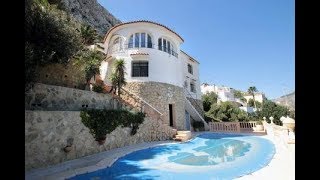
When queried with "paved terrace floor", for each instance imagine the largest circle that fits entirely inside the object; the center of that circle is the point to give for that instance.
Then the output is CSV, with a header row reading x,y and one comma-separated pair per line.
x,y
281,167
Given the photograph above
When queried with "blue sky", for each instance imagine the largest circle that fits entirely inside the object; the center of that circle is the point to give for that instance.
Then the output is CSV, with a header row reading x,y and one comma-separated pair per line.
x,y
239,43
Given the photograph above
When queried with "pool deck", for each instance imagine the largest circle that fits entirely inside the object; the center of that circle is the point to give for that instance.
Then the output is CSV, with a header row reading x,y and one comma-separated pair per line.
x,y
281,167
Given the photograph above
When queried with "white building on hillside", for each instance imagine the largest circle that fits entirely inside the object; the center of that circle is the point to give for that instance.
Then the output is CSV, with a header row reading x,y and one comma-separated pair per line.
x,y
157,70
258,96
224,93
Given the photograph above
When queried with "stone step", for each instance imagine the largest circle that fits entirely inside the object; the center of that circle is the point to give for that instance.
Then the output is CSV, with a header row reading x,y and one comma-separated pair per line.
x,y
183,136
184,132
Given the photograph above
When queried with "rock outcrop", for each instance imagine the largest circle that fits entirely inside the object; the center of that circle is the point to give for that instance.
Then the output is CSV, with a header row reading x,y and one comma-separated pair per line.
x,y
287,100
90,12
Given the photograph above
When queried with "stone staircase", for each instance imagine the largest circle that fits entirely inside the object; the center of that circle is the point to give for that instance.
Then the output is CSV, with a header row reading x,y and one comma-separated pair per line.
x,y
182,136
135,102
195,114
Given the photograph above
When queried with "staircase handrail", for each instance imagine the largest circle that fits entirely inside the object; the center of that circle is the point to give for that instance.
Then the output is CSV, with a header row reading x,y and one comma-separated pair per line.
x,y
142,100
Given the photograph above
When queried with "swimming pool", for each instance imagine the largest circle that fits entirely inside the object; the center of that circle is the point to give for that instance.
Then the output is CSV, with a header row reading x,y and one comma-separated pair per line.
x,y
207,156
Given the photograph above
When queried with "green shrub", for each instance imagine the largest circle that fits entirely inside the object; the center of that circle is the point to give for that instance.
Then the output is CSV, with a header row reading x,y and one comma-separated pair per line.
x,y
226,111
259,122
97,88
209,99
102,122
207,119
51,36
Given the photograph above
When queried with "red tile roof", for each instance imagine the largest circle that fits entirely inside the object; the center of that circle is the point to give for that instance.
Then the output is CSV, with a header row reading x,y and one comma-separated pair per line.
x,y
139,21
139,54
190,56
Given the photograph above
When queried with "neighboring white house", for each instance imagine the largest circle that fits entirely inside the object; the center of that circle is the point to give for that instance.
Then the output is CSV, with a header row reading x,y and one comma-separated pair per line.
x,y
157,69
258,96
248,109
227,94
224,93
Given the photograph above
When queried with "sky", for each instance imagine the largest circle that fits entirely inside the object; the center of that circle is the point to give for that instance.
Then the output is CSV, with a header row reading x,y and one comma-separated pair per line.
x,y
239,43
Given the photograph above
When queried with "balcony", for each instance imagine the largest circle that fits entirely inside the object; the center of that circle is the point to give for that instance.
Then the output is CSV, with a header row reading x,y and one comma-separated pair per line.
x,y
126,47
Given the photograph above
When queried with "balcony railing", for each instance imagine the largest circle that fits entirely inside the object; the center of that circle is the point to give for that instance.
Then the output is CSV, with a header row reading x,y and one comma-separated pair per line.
x,y
120,49
233,126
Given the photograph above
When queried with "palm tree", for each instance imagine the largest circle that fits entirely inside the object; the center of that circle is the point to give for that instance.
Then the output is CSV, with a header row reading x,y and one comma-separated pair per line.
x,y
91,61
251,91
88,34
117,77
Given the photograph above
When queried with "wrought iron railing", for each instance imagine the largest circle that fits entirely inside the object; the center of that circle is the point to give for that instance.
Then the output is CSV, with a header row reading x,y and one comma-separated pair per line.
x,y
119,49
193,100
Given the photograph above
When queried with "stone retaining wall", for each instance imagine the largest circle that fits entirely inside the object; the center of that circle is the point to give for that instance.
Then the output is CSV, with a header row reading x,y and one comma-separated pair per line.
x,y
67,75
48,132
50,97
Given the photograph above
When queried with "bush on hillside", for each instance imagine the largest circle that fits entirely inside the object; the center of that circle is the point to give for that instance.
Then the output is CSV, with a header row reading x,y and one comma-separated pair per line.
x,y
227,111
209,99
270,108
51,36
102,122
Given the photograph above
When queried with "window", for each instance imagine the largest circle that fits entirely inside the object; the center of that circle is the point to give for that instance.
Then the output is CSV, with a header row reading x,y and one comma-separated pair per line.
x,y
143,39
192,87
149,41
185,84
117,44
160,44
140,69
190,69
166,46
130,45
138,40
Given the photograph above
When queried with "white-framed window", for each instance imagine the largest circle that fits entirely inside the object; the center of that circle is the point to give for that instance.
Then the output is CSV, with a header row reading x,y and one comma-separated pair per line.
x,y
192,87
185,84
140,68
190,69
166,46
117,44
138,40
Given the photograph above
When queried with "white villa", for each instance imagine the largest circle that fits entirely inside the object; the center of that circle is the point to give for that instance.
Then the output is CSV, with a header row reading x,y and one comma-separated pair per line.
x,y
258,96
224,93
227,94
157,70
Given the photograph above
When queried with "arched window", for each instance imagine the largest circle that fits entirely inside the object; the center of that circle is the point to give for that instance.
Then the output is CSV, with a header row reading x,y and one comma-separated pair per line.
x,y
117,44
136,40
140,40
149,41
166,46
130,45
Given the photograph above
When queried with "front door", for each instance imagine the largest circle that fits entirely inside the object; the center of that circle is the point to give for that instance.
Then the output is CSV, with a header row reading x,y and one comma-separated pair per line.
x,y
187,121
170,115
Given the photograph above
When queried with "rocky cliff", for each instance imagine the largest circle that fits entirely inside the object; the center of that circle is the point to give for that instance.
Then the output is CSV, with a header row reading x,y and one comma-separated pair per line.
x,y
90,12
286,100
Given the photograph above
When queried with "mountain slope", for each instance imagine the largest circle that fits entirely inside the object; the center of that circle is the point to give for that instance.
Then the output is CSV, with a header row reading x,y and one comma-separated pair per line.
x,y
286,100
90,12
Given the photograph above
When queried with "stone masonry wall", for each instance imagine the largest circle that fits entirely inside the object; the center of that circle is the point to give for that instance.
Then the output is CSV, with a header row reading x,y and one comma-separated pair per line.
x,y
197,104
49,97
68,75
48,132
160,95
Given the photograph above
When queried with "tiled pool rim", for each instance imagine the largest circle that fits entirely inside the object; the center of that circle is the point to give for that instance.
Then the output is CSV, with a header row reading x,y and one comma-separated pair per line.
x,y
261,153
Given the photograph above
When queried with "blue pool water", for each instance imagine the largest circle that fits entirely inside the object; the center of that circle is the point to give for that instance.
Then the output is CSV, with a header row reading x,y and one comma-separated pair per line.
x,y
207,156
